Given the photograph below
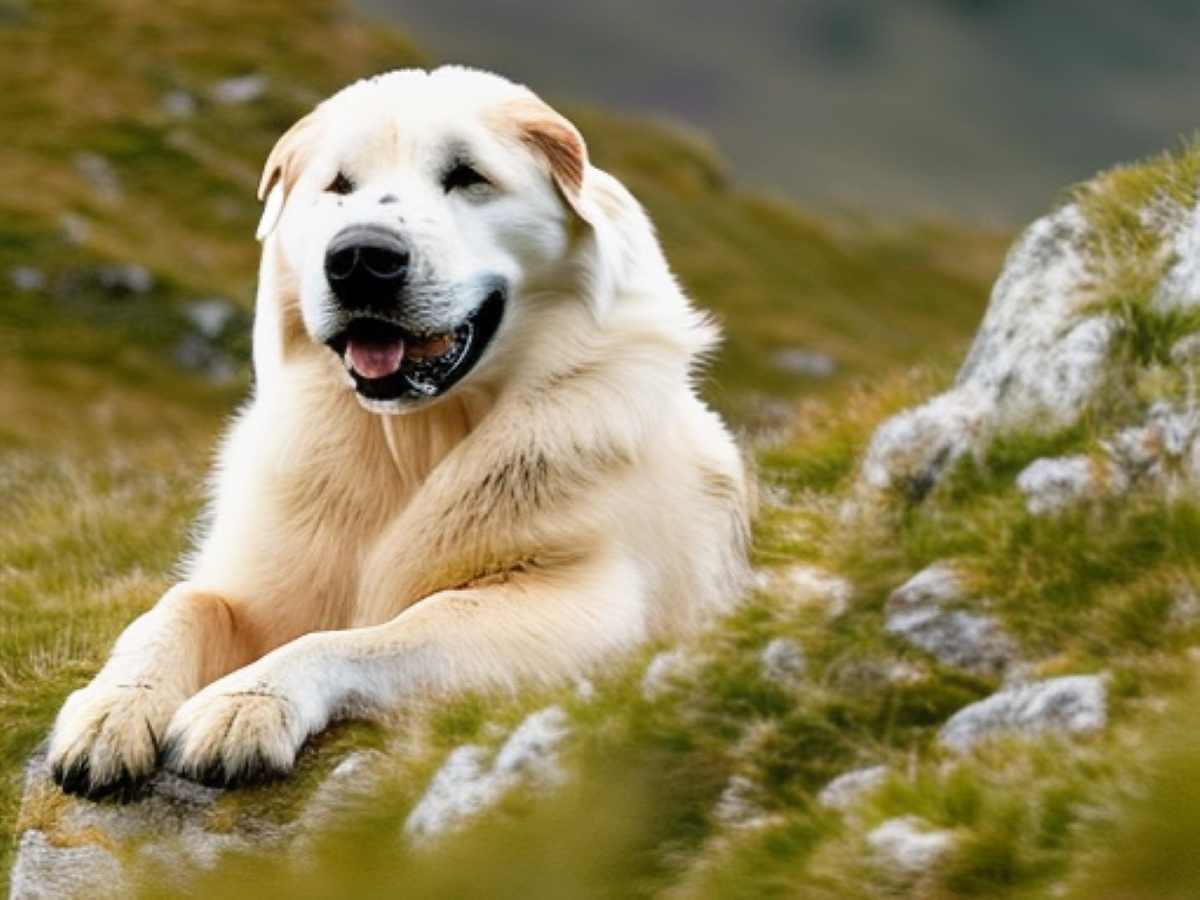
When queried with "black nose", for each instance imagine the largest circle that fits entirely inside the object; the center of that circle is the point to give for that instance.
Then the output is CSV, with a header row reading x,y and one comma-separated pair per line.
x,y
366,266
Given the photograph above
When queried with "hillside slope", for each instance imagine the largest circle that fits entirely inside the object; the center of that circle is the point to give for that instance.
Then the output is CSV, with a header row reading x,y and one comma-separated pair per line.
x,y
127,271
968,668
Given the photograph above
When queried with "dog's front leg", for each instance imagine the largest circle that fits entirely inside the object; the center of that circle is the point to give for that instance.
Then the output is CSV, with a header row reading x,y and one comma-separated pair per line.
x,y
107,737
538,626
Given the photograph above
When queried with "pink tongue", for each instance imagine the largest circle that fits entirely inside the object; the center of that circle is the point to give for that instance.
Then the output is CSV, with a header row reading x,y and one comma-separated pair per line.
x,y
375,360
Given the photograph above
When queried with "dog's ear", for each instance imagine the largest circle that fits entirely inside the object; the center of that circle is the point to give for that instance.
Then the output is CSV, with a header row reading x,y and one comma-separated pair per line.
x,y
288,159
559,143
620,234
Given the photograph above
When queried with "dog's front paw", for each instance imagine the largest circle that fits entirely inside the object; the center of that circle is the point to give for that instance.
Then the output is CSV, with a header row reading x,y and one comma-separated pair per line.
x,y
225,739
106,740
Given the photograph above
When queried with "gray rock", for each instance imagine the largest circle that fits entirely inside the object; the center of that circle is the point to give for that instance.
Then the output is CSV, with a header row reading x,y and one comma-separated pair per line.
x,y
664,670
1039,356
1162,444
740,805
909,844
918,612
1055,485
240,89
198,354
783,663
913,449
179,103
204,350
1161,452
70,846
1180,286
347,788
805,362
466,785
847,789
125,278
1048,352
74,229
75,848
28,279
212,317
44,871
1074,704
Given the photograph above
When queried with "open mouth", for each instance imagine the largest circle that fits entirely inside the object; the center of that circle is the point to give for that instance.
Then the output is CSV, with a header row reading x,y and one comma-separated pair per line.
x,y
389,364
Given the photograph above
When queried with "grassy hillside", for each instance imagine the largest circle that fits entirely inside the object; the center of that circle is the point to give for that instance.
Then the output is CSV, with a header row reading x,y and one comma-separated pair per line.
x,y
699,774
128,209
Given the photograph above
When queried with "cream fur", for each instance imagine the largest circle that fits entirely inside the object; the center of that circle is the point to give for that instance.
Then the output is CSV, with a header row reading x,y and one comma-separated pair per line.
x,y
569,499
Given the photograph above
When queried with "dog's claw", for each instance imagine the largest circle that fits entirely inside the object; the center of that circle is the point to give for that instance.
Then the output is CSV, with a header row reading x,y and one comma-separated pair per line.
x,y
105,743
231,740
76,779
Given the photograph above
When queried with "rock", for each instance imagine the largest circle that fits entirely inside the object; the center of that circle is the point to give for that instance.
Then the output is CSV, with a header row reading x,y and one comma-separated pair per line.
x,y
912,450
783,663
917,612
1054,348
805,362
847,789
27,279
1179,288
1161,452
240,89
179,104
1074,704
44,871
71,848
908,844
347,788
75,230
740,805
121,279
212,317
1039,355
664,670
204,350
466,785
1163,444
1054,485
100,175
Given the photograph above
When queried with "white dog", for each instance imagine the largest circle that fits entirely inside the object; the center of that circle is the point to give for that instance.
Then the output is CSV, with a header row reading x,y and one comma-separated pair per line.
x,y
474,457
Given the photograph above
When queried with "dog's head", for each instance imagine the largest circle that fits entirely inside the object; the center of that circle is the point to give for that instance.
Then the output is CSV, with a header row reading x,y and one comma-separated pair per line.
x,y
413,211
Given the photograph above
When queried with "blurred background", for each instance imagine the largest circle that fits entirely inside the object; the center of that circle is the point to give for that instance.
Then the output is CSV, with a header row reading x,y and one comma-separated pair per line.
x,y
976,110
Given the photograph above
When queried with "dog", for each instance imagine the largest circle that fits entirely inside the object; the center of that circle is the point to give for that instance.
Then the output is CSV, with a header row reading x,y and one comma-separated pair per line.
x,y
473,458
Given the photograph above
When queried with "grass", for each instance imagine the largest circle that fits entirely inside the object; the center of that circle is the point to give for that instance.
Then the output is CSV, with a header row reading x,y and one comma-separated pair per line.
x,y
104,442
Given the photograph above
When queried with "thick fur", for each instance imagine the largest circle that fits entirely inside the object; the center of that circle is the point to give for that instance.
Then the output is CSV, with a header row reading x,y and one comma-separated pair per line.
x,y
569,499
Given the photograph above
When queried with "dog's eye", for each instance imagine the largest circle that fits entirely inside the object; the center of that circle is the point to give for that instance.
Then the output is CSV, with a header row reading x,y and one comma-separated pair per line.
x,y
341,185
462,177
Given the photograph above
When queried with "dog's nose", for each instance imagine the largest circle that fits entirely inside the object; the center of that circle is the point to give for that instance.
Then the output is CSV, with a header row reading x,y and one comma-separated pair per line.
x,y
366,265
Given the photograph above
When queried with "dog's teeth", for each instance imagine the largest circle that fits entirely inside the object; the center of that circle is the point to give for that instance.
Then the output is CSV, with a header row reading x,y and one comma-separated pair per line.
x,y
435,346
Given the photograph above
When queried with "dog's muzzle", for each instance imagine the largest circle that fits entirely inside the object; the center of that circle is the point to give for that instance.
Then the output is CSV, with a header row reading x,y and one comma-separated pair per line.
x,y
392,365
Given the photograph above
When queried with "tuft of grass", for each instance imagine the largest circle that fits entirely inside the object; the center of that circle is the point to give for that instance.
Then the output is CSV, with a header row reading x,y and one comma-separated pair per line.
x,y
1145,846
